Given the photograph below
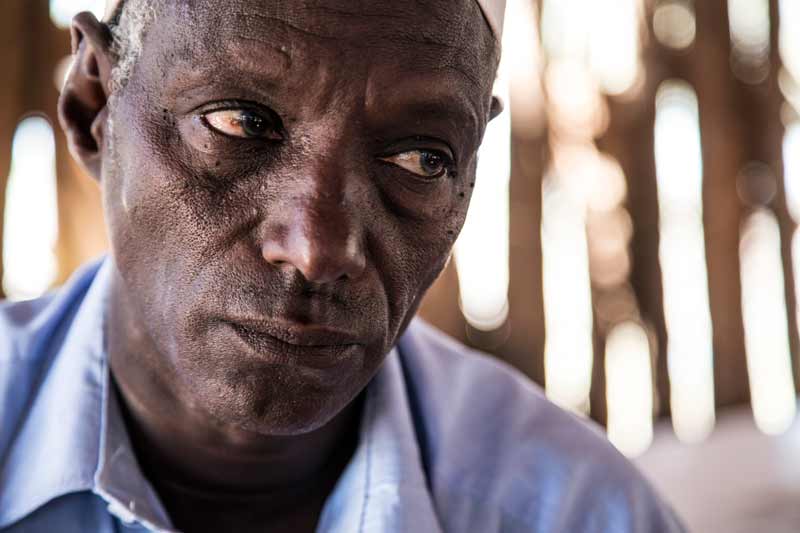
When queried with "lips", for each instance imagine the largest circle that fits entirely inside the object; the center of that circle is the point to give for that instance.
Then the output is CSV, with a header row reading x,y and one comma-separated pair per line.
x,y
315,346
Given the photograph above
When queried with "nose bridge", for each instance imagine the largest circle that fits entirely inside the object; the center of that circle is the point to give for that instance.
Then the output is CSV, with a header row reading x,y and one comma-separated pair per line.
x,y
321,216
316,231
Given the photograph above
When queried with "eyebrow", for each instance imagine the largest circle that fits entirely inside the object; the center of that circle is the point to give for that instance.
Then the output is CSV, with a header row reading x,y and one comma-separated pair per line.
x,y
459,116
266,72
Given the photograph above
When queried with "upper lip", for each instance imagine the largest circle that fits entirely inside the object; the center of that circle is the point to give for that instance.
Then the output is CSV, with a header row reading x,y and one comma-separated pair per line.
x,y
297,334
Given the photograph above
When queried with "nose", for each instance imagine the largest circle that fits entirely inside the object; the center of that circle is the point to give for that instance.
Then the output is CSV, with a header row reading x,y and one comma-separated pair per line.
x,y
317,236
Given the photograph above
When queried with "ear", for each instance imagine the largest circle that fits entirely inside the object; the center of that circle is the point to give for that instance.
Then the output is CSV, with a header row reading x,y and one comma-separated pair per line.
x,y
496,108
82,108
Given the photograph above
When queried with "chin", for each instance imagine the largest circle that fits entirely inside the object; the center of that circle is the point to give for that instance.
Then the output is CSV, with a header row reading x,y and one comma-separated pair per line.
x,y
271,402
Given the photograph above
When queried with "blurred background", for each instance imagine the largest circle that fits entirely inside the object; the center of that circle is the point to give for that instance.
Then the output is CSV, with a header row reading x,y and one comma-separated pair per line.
x,y
632,242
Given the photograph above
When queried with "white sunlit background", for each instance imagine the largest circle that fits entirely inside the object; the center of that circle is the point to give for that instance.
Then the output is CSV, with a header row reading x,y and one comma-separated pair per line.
x,y
632,244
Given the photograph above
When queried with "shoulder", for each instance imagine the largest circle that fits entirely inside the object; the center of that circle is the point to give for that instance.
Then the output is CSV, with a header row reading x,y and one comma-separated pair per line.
x,y
489,436
24,323
31,333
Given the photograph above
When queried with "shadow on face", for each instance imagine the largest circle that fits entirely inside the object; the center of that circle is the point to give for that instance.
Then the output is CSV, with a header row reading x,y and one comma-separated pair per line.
x,y
285,181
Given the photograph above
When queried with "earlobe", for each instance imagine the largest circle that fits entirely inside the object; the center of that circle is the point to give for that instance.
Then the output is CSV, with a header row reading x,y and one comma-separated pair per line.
x,y
82,108
496,108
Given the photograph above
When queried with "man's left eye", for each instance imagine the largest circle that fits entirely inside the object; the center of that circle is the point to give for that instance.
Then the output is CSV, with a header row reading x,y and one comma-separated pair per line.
x,y
429,164
243,124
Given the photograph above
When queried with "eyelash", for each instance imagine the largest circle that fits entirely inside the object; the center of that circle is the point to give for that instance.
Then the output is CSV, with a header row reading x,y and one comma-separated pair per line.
x,y
449,162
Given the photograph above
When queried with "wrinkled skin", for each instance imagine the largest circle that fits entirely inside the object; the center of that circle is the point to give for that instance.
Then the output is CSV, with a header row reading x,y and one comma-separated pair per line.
x,y
318,228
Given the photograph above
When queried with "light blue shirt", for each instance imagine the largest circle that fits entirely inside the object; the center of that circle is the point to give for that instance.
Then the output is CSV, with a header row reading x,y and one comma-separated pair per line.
x,y
450,440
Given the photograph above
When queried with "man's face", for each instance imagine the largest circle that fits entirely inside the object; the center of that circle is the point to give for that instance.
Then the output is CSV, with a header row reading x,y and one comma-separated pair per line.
x,y
285,181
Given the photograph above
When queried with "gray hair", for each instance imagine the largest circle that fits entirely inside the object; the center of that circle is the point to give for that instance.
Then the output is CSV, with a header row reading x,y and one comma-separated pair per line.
x,y
128,25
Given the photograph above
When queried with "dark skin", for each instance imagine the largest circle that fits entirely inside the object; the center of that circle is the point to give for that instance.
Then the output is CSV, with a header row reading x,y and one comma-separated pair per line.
x,y
282,183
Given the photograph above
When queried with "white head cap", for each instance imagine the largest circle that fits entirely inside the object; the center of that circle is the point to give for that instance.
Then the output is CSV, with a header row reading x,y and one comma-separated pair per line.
x,y
493,10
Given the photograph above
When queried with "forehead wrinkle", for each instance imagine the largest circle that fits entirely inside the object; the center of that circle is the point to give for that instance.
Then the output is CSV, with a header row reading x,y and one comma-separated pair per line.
x,y
382,33
454,31
186,76
441,23
448,33
242,49
236,58
438,54
261,17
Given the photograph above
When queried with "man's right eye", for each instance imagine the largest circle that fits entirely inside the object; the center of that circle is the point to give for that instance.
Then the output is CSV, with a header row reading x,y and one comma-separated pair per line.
x,y
242,124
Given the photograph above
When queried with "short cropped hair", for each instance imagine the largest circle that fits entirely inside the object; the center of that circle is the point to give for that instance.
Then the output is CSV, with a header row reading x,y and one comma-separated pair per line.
x,y
128,25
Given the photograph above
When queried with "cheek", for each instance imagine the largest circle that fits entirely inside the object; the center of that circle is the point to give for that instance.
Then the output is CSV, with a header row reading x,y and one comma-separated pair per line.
x,y
418,250
465,190
138,196
161,200
415,254
154,227
435,246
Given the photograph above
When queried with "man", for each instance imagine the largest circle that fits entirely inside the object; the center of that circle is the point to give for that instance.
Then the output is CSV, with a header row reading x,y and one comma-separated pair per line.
x,y
283,180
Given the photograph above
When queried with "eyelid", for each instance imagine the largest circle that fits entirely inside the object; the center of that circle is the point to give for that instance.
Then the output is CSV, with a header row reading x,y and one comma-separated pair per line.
x,y
434,145
275,128
419,142
231,104
447,163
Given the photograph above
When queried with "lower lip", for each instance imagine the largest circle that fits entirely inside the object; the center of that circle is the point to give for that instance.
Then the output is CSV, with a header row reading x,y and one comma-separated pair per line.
x,y
277,351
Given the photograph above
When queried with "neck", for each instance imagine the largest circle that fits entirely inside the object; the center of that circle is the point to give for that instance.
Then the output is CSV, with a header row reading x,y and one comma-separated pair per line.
x,y
200,458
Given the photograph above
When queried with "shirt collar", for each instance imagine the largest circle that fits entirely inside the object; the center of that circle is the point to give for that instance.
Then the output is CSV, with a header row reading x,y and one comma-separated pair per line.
x,y
55,450
75,428
118,479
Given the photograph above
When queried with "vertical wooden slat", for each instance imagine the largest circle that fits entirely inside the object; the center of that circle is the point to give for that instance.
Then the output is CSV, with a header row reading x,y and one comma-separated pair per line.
x,y
597,397
525,346
13,65
630,139
725,149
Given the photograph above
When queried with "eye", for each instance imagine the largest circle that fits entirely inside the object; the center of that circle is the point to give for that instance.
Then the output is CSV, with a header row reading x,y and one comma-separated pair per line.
x,y
428,164
243,124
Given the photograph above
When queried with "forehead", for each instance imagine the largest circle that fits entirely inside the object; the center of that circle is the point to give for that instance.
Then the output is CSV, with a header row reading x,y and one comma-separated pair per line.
x,y
448,23
444,36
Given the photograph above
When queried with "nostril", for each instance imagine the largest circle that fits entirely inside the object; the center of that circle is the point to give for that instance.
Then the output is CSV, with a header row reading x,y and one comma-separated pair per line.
x,y
324,255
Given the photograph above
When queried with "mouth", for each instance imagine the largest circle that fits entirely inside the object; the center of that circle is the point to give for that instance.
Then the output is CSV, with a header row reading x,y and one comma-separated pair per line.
x,y
292,344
